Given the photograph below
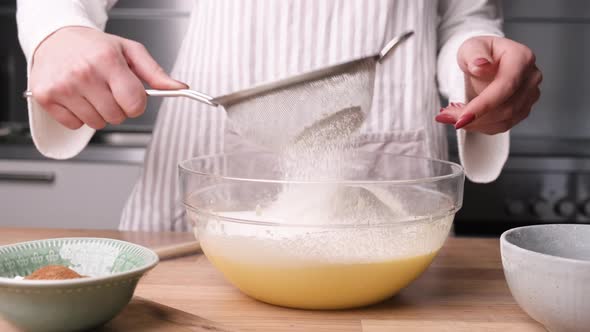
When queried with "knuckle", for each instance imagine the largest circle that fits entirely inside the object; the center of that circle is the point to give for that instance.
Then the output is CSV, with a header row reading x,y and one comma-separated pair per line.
x,y
137,45
82,72
117,118
43,96
107,55
91,118
529,56
48,95
71,123
56,114
63,89
136,105
97,124
65,118
539,77
119,121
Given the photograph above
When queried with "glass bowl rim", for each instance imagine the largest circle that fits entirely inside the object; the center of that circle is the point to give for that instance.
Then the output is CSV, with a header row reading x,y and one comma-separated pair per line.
x,y
456,171
405,222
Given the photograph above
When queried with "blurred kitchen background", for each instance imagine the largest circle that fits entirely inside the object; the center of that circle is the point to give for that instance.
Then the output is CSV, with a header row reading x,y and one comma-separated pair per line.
x,y
546,180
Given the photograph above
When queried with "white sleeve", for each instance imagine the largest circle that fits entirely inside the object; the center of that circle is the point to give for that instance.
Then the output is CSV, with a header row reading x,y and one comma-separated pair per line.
x,y
36,21
483,156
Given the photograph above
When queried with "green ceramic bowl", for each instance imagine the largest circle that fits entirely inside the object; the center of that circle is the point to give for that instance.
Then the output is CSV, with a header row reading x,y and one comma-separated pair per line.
x,y
114,267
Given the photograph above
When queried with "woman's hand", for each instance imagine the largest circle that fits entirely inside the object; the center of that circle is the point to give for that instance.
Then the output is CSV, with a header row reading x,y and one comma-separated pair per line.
x,y
502,84
80,75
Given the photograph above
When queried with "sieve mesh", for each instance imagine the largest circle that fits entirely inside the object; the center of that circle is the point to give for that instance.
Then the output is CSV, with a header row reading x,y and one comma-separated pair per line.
x,y
276,117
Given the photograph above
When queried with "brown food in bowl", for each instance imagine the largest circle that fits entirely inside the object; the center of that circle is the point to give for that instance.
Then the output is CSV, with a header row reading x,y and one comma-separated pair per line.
x,y
53,272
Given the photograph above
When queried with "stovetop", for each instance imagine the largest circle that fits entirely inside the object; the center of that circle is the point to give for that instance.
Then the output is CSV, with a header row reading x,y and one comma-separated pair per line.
x,y
544,181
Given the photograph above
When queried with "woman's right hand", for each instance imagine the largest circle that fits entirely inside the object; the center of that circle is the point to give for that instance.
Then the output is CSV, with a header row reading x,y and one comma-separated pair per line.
x,y
84,76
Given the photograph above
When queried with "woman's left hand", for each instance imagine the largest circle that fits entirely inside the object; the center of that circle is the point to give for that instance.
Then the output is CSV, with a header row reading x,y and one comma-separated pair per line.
x,y
502,84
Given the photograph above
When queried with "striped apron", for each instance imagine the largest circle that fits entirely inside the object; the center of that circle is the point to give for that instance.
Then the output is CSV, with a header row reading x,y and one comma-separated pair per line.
x,y
231,45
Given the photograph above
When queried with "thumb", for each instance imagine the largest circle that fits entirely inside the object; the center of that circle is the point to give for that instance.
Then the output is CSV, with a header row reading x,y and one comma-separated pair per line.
x,y
475,58
146,68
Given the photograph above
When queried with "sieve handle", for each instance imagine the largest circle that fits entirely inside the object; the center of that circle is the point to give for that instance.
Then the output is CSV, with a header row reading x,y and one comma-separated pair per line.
x,y
192,94
393,44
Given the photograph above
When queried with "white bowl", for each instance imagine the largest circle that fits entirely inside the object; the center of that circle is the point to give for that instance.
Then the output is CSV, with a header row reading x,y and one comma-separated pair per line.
x,y
547,268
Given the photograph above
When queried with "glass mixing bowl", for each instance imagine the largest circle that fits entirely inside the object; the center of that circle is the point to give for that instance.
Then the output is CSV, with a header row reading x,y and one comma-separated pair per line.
x,y
340,242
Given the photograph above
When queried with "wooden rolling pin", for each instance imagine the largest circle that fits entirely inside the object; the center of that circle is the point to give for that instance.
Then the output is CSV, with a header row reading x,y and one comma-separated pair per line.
x,y
178,250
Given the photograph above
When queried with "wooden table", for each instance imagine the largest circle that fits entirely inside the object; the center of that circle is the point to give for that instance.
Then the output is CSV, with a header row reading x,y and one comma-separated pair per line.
x,y
463,290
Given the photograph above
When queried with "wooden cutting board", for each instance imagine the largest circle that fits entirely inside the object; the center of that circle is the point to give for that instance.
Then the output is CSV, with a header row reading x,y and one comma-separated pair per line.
x,y
144,315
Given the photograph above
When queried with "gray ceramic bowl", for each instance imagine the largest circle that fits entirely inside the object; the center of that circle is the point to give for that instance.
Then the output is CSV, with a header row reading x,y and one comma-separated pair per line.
x,y
547,268
114,268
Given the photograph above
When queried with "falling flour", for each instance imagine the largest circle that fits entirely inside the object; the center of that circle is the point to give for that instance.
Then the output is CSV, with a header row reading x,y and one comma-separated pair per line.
x,y
323,154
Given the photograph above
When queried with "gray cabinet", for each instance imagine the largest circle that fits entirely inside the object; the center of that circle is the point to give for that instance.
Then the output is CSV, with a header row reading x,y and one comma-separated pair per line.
x,y
35,193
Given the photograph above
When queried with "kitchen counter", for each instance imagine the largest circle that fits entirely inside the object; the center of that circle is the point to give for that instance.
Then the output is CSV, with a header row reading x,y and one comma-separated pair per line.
x,y
463,290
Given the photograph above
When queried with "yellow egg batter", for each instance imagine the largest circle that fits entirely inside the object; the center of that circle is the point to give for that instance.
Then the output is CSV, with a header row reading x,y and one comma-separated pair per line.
x,y
310,284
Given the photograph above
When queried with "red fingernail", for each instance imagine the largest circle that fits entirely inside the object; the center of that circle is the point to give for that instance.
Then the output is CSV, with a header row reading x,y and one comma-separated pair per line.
x,y
464,120
445,118
481,62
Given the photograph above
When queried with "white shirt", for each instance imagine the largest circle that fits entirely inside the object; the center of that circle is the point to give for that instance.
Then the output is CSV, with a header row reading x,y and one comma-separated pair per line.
x,y
231,45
